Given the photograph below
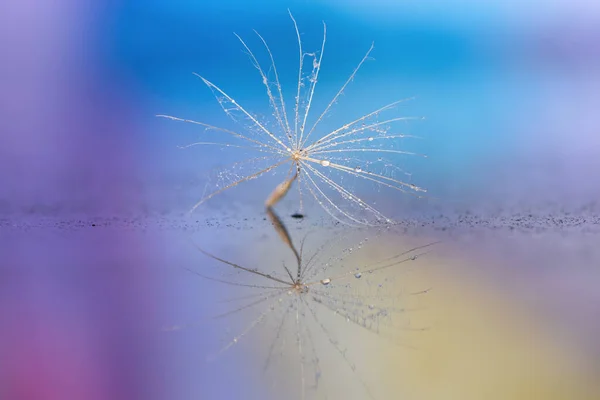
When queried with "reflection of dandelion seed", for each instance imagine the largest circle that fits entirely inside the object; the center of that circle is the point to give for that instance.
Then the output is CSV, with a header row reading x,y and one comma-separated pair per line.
x,y
324,161
298,316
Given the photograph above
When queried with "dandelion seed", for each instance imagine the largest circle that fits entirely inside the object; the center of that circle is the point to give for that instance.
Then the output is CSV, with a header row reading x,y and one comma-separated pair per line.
x,y
293,136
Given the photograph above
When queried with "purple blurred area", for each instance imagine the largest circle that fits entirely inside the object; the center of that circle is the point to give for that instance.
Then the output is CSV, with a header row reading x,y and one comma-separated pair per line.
x,y
65,129
78,307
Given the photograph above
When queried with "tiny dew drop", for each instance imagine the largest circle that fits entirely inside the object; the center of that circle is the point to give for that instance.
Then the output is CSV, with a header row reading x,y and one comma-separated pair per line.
x,y
358,275
358,169
326,281
325,163
370,138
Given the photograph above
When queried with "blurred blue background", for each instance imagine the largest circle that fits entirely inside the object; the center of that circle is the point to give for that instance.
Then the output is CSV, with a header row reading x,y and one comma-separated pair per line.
x,y
510,91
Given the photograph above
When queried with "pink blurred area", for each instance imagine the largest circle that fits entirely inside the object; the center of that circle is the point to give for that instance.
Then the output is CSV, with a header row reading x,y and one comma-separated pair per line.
x,y
79,317
78,304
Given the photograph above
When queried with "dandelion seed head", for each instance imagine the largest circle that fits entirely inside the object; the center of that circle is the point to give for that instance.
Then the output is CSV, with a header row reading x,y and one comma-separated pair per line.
x,y
292,134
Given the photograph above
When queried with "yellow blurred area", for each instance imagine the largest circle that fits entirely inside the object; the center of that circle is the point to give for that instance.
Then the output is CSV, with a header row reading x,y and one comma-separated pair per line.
x,y
484,344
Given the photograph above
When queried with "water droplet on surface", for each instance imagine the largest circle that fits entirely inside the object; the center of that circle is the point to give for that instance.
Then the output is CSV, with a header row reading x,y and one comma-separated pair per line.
x,y
370,138
413,258
358,275
326,281
371,306
325,163
358,169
